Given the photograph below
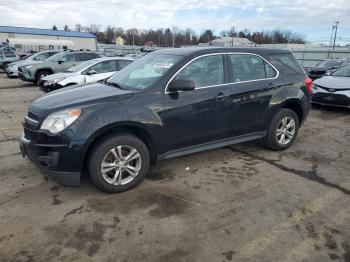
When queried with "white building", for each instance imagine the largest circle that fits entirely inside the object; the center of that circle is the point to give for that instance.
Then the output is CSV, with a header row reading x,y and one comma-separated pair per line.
x,y
33,39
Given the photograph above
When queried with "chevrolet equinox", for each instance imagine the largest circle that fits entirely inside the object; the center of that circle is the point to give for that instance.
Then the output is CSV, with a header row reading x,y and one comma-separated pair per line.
x,y
167,104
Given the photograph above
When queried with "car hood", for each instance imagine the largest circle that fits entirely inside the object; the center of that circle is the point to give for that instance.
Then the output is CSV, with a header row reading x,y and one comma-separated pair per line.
x,y
57,75
24,63
320,68
333,82
77,96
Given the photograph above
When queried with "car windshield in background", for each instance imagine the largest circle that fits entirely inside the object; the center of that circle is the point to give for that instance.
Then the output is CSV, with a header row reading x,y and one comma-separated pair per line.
x,y
330,63
80,66
55,57
9,54
144,72
343,71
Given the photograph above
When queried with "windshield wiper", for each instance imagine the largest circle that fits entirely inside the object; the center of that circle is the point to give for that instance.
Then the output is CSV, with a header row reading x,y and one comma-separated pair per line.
x,y
114,84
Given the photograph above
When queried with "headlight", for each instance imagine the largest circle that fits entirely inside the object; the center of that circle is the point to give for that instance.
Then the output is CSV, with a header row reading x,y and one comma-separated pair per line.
x,y
29,66
313,86
58,80
58,121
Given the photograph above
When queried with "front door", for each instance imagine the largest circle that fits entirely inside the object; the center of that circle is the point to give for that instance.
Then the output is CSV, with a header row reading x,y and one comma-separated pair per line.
x,y
201,115
65,62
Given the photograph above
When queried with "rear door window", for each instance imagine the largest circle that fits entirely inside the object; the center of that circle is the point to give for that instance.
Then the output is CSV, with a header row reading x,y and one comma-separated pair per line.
x,y
204,71
248,67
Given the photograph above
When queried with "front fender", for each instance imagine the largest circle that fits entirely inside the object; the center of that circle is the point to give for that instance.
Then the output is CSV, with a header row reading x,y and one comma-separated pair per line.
x,y
105,117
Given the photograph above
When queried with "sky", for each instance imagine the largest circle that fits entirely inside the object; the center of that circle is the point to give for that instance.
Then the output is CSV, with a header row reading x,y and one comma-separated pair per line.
x,y
312,18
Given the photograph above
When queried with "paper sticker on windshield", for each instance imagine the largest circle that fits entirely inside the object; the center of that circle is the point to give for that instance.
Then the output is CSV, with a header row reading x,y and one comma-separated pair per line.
x,y
163,65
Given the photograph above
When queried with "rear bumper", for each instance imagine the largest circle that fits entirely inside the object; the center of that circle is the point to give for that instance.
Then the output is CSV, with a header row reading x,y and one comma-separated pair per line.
x,y
49,158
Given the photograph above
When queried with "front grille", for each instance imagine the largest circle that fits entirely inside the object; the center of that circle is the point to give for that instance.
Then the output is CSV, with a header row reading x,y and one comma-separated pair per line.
x,y
33,116
29,134
333,89
331,99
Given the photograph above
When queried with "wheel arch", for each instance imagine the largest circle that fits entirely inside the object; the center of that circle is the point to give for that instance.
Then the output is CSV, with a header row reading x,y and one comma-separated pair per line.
x,y
129,128
295,106
42,69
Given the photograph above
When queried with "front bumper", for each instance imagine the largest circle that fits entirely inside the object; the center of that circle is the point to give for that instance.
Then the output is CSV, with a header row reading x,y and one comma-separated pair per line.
x,y
25,75
330,99
46,86
11,71
53,159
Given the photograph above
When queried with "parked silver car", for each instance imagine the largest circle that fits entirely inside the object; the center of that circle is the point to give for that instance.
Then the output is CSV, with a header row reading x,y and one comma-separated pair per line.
x,y
333,89
88,72
12,69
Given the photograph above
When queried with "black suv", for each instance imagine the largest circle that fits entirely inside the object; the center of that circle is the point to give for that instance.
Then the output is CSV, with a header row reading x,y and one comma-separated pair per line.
x,y
167,104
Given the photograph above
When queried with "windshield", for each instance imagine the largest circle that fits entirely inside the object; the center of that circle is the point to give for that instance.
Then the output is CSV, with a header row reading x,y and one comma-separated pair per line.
x,y
343,71
144,72
55,57
330,63
9,53
81,66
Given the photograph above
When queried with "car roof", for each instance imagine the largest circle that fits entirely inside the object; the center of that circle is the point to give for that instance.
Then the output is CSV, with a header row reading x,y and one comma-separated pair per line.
x,y
110,58
190,51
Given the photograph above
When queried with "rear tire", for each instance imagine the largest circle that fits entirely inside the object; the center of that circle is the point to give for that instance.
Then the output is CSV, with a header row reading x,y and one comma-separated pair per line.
x,y
283,130
118,154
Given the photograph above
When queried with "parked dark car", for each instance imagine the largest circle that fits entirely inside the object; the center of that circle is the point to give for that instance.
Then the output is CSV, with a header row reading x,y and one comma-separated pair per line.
x,y
323,67
167,104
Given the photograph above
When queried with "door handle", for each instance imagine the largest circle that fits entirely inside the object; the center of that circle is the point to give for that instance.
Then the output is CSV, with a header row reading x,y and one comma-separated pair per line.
x,y
221,96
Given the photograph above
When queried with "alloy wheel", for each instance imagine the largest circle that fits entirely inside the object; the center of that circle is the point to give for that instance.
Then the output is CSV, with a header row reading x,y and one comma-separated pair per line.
x,y
121,165
285,130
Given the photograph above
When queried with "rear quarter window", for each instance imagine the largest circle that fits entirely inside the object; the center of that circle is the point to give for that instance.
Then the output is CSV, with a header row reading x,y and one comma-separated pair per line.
x,y
286,63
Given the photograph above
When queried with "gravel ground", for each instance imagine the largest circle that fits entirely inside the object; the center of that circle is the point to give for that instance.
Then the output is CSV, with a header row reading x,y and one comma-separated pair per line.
x,y
240,203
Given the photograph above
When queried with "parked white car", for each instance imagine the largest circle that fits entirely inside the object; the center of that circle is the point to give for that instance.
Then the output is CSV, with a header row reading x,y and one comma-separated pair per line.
x,y
12,69
334,89
88,72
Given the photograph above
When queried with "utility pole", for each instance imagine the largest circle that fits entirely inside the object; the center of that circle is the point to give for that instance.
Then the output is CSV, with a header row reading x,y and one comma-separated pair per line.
x,y
173,36
335,34
232,32
330,43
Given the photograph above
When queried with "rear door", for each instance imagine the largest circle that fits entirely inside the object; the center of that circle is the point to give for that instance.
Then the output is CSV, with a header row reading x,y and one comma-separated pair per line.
x,y
201,115
253,81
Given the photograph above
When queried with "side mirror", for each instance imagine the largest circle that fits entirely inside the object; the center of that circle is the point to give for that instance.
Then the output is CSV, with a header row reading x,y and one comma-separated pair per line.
x,y
91,72
60,61
181,85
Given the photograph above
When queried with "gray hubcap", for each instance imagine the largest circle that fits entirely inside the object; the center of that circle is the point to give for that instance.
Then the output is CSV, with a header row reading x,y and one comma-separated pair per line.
x,y
121,165
285,130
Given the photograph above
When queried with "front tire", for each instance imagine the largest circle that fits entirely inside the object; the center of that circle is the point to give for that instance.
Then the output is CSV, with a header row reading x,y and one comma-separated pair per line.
x,y
118,163
41,74
283,130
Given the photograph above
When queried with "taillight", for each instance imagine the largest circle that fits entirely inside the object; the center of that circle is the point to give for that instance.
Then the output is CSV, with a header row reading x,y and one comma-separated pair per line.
x,y
308,82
